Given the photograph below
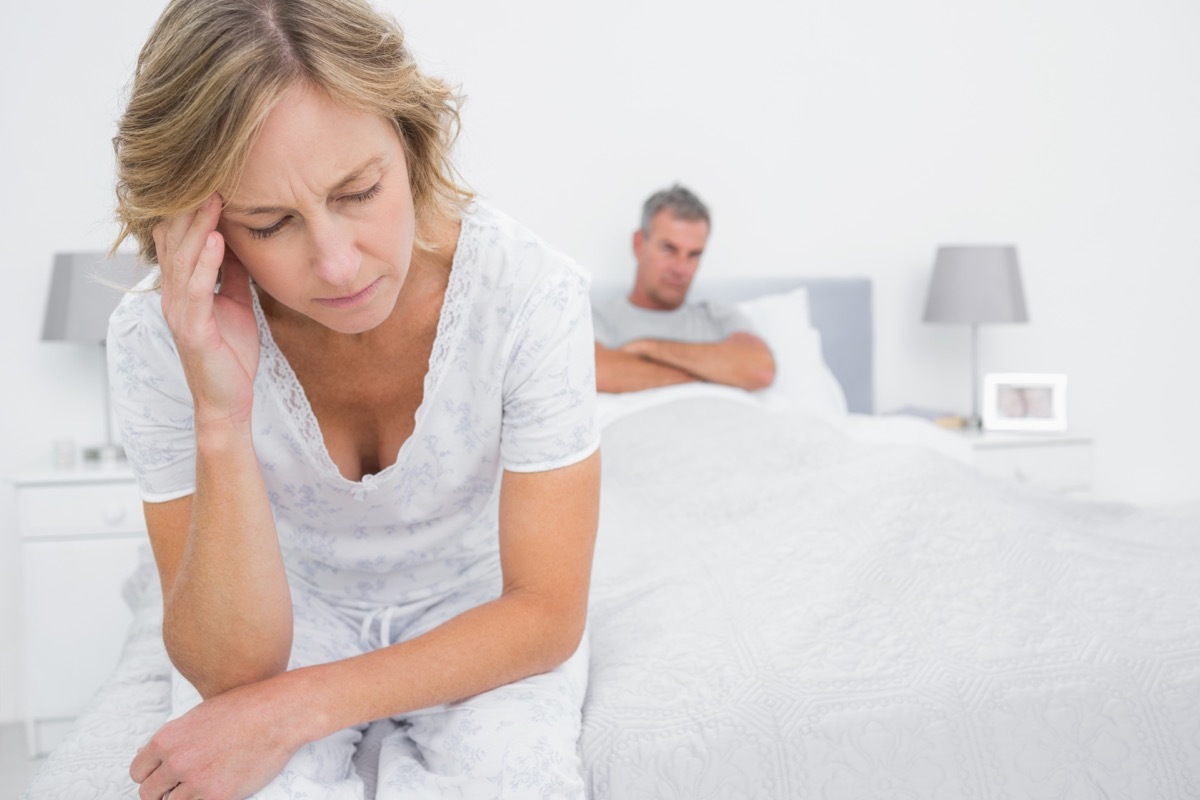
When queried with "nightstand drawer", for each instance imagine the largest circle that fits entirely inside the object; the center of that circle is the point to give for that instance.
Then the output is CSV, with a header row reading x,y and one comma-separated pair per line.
x,y
96,509
1054,466
80,533
76,616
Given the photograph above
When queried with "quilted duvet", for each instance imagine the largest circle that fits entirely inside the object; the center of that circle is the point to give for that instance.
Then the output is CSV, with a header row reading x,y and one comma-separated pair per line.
x,y
780,611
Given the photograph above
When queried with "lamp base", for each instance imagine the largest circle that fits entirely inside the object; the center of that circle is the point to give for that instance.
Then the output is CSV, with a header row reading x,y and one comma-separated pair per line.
x,y
104,454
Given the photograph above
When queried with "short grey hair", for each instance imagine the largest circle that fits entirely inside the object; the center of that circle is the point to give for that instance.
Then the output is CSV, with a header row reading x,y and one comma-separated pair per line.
x,y
681,202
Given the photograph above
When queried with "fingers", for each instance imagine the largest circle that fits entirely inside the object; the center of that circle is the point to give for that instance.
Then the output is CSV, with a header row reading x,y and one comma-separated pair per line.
x,y
149,792
189,257
198,292
148,771
203,281
235,280
180,241
634,347
142,765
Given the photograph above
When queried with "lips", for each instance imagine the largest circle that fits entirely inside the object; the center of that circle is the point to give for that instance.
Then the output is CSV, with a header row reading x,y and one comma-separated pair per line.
x,y
351,300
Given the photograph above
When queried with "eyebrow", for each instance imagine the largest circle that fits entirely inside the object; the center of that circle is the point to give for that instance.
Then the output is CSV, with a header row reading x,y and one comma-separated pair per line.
x,y
355,174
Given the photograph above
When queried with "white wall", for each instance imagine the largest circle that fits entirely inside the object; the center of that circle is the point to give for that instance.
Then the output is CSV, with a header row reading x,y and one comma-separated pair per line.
x,y
847,137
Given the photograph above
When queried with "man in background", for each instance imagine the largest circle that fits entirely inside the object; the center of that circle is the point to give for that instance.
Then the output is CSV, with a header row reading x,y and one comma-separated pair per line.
x,y
653,336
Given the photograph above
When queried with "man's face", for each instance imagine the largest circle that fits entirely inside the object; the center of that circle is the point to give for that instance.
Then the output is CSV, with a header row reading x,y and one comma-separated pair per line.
x,y
667,259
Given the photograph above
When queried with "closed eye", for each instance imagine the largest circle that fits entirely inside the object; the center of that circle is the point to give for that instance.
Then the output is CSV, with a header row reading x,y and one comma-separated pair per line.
x,y
363,197
266,233
360,197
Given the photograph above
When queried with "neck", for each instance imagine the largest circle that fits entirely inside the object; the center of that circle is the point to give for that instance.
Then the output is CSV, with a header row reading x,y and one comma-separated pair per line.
x,y
650,303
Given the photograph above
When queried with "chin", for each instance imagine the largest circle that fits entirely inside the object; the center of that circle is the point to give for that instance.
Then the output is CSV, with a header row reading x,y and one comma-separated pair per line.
x,y
670,302
363,319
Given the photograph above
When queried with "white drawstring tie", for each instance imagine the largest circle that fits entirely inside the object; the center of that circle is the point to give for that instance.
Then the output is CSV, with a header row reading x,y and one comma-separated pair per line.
x,y
384,615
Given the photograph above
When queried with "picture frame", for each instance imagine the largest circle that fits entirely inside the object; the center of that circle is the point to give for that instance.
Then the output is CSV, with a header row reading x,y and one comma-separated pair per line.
x,y
1024,401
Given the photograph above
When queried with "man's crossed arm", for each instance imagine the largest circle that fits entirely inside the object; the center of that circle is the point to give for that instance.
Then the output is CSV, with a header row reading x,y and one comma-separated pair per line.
x,y
742,360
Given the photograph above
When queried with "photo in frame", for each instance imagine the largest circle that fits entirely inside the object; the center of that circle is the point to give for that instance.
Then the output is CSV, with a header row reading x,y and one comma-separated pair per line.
x,y
1024,401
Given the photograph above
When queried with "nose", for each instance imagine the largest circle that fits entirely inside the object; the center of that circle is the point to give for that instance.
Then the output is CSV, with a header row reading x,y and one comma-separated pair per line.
x,y
335,255
681,267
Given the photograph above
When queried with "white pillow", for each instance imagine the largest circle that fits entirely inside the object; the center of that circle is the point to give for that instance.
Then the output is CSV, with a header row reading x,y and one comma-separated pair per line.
x,y
803,381
782,308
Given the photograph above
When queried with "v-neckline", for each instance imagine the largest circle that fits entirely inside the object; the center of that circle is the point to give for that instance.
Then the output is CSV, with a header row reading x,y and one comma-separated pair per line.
x,y
297,409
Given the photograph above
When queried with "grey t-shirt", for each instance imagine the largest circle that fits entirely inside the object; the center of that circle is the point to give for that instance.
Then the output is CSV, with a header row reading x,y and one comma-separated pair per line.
x,y
618,321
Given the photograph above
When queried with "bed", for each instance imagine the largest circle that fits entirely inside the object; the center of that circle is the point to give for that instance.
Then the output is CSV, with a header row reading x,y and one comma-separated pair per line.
x,y
794,599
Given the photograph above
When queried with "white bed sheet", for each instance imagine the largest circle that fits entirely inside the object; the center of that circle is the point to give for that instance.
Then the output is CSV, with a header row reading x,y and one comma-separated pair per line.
x,y
805,615
891,429
782,610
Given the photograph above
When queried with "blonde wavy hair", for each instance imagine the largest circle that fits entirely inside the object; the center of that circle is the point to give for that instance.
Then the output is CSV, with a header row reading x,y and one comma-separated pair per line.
x,y
212,70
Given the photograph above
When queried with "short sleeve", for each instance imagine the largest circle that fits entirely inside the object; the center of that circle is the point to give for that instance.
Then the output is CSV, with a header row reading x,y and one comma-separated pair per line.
x,y
151,399
604,331
729,320
549,404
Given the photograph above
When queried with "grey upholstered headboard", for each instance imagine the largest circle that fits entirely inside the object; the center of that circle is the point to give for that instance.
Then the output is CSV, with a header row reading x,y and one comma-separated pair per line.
x,y
840,308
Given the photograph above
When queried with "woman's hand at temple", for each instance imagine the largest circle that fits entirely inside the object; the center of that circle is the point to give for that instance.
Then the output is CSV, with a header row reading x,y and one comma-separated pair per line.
x,y
215,331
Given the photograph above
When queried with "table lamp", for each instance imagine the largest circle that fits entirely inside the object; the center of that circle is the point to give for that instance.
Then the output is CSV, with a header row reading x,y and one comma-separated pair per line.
x,y
84,290
976,285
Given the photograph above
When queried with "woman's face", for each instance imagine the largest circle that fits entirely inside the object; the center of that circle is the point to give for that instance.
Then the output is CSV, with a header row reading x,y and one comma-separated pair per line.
x,y
323,218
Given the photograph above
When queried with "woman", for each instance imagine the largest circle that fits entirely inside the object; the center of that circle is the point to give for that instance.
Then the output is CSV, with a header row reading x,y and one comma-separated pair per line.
x,y
362,419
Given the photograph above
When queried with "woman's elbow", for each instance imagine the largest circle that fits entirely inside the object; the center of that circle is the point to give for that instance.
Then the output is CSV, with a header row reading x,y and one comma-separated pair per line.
x,y
214,674
211,683
560,636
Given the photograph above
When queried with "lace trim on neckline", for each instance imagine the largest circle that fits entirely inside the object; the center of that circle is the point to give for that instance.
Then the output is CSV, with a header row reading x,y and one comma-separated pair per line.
x,y
294,402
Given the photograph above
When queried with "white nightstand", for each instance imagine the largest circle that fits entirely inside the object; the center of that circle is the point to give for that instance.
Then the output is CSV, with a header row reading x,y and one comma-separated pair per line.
x,y
1059,461
80,532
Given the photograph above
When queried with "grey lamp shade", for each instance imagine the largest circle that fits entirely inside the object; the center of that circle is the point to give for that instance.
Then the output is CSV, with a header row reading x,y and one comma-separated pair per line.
x,y
84,291
976,284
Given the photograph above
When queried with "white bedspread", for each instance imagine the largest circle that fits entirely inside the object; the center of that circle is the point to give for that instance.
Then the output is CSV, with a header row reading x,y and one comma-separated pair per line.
x,y
782,611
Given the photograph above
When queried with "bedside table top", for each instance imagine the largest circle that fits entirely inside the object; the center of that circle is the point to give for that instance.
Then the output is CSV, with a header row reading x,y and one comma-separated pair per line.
x,y
84,473
1001,439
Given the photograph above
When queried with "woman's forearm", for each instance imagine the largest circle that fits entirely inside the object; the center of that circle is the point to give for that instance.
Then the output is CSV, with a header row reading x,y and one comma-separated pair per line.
x,y
228,613
494,644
